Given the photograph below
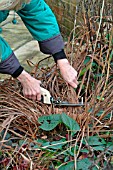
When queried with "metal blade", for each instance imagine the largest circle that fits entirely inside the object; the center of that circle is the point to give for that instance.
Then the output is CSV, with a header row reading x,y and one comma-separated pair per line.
x,y
69,104
65,103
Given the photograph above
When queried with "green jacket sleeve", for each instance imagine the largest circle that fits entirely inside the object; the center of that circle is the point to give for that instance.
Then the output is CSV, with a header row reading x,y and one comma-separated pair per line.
x,y
42,24
3,15
39,19
9,64
5,50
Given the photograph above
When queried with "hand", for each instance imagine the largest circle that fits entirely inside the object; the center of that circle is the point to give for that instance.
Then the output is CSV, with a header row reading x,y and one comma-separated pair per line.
x,y
31,86
68,73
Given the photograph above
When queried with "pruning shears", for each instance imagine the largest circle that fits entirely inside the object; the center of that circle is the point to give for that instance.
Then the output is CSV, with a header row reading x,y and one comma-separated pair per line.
x,y
48,99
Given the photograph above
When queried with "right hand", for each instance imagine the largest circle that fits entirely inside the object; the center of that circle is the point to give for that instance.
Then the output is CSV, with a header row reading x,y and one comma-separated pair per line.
x,y
31,86
68,73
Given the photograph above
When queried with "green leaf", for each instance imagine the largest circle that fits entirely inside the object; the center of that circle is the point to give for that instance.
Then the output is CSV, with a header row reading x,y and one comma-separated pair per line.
x,y
107,117
71,151
84,151
98,75
66,159
53,145
49,126
108,36
99,148
57,145
101,99
94,64
9,143
49,122
83,71
42,142
21,142
111,54
87,60
0,153
70,123
36,147
46,144
95,141
109,146
55,117
8,135
90,110
100,113
83,164
68,166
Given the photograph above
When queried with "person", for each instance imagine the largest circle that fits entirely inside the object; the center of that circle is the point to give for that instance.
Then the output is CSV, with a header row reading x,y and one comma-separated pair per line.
x,y
42,24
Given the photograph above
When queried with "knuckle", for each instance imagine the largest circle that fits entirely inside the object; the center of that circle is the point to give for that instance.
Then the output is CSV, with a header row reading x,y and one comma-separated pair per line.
x,y
34,93
69,81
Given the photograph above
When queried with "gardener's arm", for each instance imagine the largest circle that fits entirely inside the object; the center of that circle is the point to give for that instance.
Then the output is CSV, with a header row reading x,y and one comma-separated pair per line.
x,y
10,65
42,24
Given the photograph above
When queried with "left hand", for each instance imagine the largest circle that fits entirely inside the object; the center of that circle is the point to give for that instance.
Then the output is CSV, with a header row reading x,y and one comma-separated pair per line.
x,y
68,73
31,86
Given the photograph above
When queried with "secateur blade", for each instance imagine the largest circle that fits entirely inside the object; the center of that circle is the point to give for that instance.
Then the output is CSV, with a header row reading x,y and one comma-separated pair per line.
x,y
65,103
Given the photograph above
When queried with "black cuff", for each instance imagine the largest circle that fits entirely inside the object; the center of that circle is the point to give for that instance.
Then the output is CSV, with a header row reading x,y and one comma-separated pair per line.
x,y
59,55
47,46
17,72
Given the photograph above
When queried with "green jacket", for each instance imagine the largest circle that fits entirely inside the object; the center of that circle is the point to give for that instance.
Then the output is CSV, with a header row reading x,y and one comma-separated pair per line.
x,y
42,24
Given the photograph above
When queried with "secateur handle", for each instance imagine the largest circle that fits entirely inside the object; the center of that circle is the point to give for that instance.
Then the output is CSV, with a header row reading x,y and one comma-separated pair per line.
x,y
46,96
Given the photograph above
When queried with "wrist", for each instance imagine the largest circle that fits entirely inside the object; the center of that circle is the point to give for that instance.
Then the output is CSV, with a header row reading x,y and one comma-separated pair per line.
x,y
59,55
24,76
62,62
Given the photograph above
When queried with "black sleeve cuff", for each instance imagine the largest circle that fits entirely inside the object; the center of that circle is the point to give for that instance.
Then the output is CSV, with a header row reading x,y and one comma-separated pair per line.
x,y
59,55
11,66
17,72
52,45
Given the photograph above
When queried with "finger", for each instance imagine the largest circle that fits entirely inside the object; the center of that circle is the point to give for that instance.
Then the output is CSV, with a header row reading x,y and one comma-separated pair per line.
x,y
38,97
73,84
27,94
39,82
33,97
76,73
75,81
34,94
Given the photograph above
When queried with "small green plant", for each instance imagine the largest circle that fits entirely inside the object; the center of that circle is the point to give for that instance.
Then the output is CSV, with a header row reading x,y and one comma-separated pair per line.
x,y
50,122
66,148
